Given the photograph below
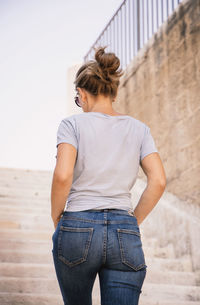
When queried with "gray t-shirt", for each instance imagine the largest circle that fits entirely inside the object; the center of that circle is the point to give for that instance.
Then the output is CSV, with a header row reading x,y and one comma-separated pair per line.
x,y
109,151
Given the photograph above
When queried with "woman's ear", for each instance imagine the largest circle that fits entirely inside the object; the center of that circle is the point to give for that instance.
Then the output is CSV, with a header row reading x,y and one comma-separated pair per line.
x,y
83,95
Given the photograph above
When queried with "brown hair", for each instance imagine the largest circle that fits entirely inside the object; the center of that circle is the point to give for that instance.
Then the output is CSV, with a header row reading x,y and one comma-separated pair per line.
x,y
100,76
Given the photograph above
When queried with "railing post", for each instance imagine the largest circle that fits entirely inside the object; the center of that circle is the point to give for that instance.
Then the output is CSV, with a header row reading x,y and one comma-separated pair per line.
x,y
138,25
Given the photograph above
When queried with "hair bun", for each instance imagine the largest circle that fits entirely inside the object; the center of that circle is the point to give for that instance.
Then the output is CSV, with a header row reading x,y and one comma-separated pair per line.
x,y
100,75
108,62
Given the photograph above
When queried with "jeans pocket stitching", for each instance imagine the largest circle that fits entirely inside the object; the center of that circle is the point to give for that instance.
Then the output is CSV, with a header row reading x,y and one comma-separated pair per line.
x,y
87,244
124,258
130,231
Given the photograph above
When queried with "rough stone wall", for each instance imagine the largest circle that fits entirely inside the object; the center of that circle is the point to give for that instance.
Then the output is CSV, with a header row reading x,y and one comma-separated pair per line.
x,y
161,87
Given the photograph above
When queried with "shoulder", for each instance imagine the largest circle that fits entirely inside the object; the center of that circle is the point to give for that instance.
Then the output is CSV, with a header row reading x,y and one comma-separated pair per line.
x,y
70,120
73,118
140,125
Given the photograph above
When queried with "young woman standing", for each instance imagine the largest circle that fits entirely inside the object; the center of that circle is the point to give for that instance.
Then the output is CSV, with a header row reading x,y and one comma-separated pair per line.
x,y
99,153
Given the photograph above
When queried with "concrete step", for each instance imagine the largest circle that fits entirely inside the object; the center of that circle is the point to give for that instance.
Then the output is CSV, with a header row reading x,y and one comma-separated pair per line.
x,y
21,216
171,292
15,256
18,176
34,223
151,242
27,270
165,252
151,301
43,246
7,298
178,264
28,181
24,245
171,277
29,285
28,210
26,193
26,234
33,202
31,184
8,269
19,172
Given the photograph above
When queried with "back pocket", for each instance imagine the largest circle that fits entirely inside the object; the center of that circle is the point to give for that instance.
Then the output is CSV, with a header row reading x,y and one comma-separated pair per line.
x,y
74,244
131,248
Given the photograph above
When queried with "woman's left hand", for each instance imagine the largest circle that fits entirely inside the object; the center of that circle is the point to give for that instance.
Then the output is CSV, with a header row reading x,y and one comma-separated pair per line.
x,y
56,221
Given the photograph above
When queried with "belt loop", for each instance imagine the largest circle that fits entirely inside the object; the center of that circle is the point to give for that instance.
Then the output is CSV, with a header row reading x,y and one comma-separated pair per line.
x,y
131,212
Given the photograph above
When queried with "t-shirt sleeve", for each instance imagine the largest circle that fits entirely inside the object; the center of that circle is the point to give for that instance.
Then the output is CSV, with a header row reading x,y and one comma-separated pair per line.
x,y
66,133
148,145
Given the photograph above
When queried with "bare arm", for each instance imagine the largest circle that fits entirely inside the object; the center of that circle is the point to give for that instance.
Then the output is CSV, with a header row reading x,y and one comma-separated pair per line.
x,y
156,183
62,179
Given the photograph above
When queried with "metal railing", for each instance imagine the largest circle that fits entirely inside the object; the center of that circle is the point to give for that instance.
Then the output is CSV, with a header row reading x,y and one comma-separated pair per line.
x,y
133,24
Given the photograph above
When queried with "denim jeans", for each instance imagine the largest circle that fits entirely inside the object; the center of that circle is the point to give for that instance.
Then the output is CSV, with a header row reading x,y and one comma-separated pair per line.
x,y
106,242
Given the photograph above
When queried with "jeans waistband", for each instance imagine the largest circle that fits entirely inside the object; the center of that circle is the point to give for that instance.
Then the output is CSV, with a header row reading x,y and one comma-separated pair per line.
x,y
107,210
117,211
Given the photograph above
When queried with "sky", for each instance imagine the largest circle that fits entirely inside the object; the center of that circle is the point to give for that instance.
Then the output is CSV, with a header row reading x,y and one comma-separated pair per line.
x,y
40,40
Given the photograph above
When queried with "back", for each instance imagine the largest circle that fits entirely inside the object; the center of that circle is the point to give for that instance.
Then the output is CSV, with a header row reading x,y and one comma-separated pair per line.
x,y
109,150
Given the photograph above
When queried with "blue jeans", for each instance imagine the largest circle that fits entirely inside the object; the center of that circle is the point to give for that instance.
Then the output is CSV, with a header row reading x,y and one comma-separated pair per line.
x,y
107,242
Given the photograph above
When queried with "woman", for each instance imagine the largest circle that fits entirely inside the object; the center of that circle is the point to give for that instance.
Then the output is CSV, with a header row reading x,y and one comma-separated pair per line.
x,y
98,156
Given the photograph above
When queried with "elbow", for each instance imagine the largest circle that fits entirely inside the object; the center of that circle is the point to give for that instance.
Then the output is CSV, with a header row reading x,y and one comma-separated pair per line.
x,y
161,183
62,179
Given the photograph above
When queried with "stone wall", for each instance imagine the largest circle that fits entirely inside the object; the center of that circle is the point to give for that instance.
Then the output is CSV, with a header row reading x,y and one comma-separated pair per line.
x,y
161,87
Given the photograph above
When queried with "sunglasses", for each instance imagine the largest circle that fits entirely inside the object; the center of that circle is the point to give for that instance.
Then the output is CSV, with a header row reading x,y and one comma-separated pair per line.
x,y
77,100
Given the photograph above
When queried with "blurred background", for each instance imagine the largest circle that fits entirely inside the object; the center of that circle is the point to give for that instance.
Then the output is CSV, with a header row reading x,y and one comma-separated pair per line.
x,y
40,42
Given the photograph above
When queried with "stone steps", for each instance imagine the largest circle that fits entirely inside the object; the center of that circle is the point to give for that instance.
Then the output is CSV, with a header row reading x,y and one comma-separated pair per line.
x,y
164,264
27,273
33,185
32,202
28,285
14,233
19,209
7,298
172,292
10,269
26,194
148,301
33,223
